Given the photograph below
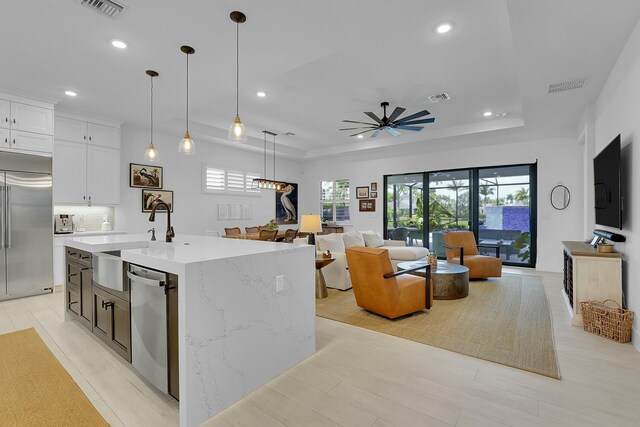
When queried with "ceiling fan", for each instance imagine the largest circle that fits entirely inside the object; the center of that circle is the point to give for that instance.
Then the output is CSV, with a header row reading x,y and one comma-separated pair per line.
x,y
391,124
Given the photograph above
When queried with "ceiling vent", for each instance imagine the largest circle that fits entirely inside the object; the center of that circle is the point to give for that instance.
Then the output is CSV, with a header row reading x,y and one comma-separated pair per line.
x,y
571,84
444,96
105,7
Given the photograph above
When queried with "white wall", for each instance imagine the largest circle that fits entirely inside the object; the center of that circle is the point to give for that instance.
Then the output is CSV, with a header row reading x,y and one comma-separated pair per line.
x,y
617,111
559,159
194,211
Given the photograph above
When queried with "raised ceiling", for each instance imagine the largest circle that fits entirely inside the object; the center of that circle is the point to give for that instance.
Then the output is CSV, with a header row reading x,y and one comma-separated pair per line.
x,y
319,63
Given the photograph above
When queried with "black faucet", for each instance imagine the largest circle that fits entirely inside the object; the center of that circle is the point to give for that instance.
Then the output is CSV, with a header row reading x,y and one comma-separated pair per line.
x,y
152,218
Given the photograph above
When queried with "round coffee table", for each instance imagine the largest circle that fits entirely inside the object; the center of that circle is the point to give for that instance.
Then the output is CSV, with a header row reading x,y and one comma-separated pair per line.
x,y
450,281
321,285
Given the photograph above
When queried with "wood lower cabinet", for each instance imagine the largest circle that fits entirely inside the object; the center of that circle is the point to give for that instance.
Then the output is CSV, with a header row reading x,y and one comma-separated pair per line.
x,y
112,321
79,286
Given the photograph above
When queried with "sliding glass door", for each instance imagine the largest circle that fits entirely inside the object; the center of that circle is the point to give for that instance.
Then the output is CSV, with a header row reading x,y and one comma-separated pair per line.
x,y
497,203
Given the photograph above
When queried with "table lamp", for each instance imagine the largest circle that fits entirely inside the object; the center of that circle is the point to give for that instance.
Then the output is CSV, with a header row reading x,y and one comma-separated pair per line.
x,y
311,224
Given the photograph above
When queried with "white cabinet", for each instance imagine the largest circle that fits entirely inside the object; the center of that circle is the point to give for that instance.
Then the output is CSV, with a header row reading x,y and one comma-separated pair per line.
x,y
30,118
103,173
86,163
70,130
73,130
105,136
5,135
25,127
31,141
69,172
5,113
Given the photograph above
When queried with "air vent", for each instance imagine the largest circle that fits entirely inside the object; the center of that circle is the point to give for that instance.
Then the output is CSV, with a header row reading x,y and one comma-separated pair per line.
x,y
105,7
288,134
571,84
444,96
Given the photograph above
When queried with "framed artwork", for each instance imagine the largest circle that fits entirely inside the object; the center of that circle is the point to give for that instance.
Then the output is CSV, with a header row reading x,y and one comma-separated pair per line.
x,y
287,205
367,205
151,197
373,194
145,176
362,192
374,186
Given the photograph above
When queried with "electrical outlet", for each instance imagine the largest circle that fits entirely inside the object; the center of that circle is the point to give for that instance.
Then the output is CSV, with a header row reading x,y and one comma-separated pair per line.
x,y
279,283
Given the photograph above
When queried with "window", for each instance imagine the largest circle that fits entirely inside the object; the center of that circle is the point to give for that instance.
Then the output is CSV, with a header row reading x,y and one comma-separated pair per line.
x,y
217,180
334,200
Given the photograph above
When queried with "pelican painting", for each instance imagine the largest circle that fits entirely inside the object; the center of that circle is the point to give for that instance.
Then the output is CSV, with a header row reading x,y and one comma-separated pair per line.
x,y
287,205
145,176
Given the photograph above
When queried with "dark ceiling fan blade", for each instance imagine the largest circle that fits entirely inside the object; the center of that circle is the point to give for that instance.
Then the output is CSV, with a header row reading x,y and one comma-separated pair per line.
x,y
418,122
373,135
414,116
392,131
373,116
368,130
414,128
361,127
362,123
396,113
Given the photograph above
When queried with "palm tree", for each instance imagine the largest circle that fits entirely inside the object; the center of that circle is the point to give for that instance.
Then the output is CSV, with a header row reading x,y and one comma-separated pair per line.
x,y
455,185
522,196
486,191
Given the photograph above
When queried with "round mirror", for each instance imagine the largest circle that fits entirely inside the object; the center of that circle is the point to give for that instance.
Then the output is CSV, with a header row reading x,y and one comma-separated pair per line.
x,y
560,197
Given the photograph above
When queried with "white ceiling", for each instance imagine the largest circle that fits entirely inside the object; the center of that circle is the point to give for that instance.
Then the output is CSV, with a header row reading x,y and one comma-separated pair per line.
x,y
319,62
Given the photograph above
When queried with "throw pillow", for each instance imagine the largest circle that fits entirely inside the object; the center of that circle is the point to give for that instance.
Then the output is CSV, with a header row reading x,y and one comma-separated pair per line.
x,y
330,242
353,238
373,239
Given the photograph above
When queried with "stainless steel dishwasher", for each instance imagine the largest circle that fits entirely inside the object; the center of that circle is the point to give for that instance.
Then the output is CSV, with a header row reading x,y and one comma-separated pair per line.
x,y
154,327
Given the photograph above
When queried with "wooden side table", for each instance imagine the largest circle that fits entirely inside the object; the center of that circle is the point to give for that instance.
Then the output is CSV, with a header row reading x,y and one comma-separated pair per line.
x,y
321,285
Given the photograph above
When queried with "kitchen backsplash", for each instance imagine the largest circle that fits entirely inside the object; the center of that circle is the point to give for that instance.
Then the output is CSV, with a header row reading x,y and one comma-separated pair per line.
x,y
93,216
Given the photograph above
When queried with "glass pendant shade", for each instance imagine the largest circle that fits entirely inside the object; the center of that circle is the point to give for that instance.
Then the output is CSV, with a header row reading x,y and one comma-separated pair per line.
x,y
151,154
237,131
187,146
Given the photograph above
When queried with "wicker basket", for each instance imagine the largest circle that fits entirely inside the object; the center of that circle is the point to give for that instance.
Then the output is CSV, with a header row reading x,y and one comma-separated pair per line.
x,y
610,322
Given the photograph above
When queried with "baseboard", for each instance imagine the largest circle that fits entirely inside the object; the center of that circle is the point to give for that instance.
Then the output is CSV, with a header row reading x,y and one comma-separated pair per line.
x,y
58,288
635,338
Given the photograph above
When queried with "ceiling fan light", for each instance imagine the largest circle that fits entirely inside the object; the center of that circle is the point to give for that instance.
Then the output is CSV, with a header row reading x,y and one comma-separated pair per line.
x,y
236,131
187,146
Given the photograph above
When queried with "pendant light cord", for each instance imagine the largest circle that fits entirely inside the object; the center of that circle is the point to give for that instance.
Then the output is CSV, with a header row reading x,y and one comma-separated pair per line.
x,y
237,68
187,93
152,111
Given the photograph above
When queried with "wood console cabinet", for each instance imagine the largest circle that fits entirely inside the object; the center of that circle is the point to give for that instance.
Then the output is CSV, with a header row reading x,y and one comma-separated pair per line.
x,y
590,275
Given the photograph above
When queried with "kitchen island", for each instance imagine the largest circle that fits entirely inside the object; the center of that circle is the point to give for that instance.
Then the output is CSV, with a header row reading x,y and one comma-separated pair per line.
x,y
246,311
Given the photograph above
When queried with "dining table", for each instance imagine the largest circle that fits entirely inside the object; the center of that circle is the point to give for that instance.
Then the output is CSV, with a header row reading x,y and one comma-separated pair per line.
x,y
253,236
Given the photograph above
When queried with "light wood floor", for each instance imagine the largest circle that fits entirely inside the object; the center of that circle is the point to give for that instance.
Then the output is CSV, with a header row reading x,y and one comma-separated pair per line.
x,y
363,378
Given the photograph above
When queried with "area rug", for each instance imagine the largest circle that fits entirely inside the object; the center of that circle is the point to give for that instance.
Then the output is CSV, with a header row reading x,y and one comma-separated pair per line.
x,y
506,321
35,390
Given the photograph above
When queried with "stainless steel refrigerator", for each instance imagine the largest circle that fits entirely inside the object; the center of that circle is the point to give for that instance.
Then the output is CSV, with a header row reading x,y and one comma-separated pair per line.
x,y
26,225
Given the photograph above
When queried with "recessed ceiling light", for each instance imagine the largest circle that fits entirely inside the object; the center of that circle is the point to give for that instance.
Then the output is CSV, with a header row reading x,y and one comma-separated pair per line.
x,y
119,44
487,114
261,94
445,27
360,136
70,93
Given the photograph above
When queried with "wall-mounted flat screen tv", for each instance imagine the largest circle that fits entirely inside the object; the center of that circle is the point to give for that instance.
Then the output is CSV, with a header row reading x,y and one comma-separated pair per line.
x,y
607,183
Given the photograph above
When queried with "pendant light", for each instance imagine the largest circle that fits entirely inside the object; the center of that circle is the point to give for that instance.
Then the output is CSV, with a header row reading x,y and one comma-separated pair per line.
x,y
264,183
151,154
187,146
236,131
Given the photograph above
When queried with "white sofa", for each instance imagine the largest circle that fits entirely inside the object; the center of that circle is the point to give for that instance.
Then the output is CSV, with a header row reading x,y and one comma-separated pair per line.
x,y
336,274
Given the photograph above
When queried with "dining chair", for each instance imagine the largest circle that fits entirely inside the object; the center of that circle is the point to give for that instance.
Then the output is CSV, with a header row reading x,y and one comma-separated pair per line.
x,y
251,230
268,235
232,231
289,235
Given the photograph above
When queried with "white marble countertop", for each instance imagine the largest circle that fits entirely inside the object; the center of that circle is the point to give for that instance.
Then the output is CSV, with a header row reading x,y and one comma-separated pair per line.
x,y
172,257
88,233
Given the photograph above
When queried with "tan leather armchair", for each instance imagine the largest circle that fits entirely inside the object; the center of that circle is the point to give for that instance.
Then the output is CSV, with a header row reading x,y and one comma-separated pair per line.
x,y
461,248
378,289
